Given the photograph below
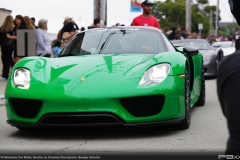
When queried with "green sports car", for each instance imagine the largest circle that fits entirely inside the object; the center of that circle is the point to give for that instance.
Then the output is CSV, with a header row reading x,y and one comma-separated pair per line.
x,y
108,76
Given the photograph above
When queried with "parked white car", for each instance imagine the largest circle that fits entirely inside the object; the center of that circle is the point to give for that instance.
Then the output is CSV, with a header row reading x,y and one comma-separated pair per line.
x,y
228,47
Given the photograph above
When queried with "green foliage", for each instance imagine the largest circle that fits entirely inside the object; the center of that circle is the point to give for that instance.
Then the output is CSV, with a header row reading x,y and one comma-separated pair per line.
x,y
229,29
172,13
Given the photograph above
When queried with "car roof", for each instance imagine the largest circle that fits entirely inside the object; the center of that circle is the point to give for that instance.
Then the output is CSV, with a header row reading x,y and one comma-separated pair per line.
x,y
122,27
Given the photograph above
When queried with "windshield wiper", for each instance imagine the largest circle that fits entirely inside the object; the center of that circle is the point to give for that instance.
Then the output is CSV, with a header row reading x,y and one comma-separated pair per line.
x,y
100,51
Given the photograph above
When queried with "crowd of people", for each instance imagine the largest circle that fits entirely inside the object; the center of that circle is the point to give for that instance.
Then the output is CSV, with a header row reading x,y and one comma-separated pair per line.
x,y
8,39
181,33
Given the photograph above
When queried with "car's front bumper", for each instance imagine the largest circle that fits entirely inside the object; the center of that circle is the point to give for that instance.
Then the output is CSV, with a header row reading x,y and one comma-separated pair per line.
x,y
211,68
64,103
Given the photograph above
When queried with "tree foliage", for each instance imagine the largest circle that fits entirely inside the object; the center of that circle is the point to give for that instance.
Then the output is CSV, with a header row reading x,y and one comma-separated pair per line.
x,y
229,29
172,13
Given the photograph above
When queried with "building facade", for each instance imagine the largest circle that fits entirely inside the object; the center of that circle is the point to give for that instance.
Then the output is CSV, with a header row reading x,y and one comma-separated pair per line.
x,y
3,14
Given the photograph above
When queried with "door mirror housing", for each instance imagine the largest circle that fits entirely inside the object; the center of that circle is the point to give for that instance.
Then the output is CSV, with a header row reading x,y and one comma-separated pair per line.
x,y
190,51
216,45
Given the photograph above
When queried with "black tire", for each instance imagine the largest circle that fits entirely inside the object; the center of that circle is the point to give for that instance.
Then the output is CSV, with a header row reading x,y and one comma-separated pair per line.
x,y
220,57
202,97
185,123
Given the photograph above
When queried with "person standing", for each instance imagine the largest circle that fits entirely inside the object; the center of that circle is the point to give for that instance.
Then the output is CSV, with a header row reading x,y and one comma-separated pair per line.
x,y
33,22
96,23
19,24
43,41
173,34
66,21
146,19
236,39
28,22
228,89
7,45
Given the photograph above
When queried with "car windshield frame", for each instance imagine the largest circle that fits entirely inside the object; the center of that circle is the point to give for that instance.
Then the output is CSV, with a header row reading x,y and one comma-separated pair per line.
x,y
103,38
186,42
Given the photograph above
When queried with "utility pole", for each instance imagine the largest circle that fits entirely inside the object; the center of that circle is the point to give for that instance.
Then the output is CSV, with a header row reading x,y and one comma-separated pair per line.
x,y
188,15
217,23
211,22
103,9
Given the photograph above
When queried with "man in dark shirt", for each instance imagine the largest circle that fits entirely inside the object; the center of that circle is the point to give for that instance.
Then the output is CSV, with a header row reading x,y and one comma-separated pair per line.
x,y
236,39
228,89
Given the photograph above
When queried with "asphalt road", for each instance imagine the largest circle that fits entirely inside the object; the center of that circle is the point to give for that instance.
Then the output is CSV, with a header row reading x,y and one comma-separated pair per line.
x,y
207,134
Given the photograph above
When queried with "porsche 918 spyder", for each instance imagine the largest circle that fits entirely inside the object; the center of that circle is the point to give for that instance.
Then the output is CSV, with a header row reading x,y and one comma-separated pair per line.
x,y
108,76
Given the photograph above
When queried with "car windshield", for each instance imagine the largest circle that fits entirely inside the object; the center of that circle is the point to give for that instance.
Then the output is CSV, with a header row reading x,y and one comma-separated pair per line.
x,y
115,40
224,45
201,45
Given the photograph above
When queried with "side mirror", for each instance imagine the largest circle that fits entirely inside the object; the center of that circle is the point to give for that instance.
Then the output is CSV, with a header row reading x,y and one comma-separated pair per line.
x,y
190,51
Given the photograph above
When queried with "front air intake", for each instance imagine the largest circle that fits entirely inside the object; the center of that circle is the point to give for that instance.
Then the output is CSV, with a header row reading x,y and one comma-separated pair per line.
x,y
143,106
26,108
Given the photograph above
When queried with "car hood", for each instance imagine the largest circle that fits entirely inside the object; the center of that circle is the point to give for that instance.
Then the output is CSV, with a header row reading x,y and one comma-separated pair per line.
x,y
210,51
207,53
94,74
228,51
96,68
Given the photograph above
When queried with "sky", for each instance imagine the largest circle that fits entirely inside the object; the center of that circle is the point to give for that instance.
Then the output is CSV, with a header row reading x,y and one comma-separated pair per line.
x,y
81,11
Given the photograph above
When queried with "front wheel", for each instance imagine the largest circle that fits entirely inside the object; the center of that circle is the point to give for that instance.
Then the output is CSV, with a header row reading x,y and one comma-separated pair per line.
x,y
185,123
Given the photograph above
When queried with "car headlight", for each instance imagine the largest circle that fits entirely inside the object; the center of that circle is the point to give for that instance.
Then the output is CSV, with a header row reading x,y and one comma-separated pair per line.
x,y
155,74
21,78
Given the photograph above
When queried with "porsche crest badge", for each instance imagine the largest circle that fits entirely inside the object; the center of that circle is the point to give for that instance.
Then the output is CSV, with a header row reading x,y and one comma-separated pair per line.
x,y
82,79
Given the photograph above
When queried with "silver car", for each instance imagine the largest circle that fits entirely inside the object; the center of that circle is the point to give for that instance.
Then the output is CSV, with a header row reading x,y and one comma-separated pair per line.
x,y
211,56
227,47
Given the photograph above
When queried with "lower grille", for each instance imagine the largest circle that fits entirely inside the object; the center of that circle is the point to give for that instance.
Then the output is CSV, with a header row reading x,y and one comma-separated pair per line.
x,y
26,108
78,119
143,106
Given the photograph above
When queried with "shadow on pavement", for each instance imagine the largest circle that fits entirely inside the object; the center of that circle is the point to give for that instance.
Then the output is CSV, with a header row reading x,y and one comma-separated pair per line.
x,y
99,132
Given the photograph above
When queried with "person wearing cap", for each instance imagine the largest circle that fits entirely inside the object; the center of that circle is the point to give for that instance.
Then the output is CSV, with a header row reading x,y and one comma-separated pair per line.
x,y
67,20
146,19
70,20
228,89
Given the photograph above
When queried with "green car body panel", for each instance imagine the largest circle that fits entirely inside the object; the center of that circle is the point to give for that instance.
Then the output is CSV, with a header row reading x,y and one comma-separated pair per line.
x,y
58,84
97,83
